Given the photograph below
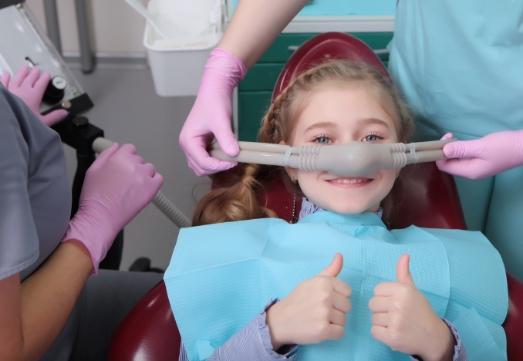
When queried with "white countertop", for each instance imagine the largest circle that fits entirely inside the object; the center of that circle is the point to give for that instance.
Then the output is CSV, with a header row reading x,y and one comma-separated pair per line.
x,y
321,24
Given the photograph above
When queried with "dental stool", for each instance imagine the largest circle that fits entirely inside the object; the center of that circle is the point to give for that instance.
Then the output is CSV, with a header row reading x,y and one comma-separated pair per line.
x,y
427,198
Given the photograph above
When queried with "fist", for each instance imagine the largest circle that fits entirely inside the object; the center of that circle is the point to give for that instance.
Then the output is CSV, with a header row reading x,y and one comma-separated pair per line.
x,y
404,320
314,311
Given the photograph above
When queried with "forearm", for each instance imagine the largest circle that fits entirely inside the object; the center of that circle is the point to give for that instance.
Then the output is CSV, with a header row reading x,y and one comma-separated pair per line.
x,y
254,26
47,298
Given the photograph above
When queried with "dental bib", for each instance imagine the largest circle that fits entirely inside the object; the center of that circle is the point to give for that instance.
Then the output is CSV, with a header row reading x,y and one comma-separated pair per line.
x,y
221,276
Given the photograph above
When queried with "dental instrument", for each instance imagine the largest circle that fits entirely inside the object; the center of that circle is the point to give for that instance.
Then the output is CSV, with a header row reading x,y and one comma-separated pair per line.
x,y
348,159
160,200
24,42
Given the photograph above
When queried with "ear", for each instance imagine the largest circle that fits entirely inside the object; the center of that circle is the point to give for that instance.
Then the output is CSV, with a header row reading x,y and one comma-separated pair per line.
x,y
290,171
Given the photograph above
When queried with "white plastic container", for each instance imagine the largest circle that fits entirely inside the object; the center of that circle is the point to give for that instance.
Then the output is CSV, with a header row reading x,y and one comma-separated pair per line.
x,y
177,70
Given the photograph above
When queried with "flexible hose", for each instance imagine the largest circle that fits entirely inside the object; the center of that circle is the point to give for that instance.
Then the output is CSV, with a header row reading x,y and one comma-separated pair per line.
x,y
160,200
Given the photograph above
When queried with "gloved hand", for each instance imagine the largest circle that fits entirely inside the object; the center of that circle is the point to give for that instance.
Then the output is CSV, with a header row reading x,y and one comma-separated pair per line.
x,y
210,115
30,86
117,186
484,157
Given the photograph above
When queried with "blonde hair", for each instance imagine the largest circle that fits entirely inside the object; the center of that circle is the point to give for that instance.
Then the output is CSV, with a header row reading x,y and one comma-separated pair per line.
x,y
239,200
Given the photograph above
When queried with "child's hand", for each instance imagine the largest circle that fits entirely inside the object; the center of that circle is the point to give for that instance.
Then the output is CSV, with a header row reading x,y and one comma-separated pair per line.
x,y
30,86
404,320
314,311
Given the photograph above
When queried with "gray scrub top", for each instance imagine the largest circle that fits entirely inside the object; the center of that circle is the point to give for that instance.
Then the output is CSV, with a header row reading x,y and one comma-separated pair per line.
x,y
35,193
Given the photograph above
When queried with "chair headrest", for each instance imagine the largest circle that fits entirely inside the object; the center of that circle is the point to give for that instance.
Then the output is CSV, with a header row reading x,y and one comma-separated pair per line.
x,y
325,47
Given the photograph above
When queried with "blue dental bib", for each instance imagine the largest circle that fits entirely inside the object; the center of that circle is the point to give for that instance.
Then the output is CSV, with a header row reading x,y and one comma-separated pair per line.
x,y
221,276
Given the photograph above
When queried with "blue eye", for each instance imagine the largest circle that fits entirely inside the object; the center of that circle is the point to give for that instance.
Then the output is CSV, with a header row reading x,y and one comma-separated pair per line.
x,y
322,139
372,138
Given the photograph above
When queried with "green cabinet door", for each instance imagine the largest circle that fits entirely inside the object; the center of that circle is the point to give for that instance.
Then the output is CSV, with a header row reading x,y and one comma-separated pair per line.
x,y
252,106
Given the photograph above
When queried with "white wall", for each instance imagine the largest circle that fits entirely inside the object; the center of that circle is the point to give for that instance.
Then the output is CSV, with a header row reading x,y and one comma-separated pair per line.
x,y
115,27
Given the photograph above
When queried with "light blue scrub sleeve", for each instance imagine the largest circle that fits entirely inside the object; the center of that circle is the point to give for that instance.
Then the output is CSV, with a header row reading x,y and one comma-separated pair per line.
x,y
35,195
458,64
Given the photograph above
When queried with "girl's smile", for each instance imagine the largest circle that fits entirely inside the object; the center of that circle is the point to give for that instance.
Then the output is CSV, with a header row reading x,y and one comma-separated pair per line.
x,y
346,182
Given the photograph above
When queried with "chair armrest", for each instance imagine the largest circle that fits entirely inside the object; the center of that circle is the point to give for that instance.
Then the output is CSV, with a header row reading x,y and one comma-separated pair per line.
x,y
513,324
148,332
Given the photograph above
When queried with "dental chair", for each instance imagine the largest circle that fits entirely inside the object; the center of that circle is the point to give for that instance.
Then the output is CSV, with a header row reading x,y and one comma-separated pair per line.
x,y
427,198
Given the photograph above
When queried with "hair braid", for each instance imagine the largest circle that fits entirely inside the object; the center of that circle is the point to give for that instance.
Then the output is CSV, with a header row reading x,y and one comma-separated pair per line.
x,y
236,202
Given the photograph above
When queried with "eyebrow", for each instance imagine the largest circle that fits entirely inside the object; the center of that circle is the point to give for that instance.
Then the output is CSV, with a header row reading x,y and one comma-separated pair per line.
x,y
366,121
321,125
363,121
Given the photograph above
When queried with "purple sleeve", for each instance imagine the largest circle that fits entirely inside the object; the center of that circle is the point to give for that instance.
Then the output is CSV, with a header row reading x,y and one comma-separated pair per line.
x,y
460,354
253,342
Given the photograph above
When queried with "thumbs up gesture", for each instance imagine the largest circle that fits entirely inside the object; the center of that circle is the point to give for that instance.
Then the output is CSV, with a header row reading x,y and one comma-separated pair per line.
x,y
404,320
314,311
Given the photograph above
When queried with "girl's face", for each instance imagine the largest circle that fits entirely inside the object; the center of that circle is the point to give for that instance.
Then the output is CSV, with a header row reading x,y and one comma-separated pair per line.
x,y
341,114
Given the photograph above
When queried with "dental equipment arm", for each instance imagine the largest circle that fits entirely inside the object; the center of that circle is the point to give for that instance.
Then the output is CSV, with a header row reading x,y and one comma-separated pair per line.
x,y
160,200
349,159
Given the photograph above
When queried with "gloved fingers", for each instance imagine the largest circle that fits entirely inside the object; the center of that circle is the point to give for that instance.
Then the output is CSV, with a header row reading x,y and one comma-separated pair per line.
x,y
194,167
226,139
127,148
463,149
202,163
447,136
207,165
200,172
41,83
135,158
54,117
105,155
31,78
6,77
20,76
157,181
148,169
154,184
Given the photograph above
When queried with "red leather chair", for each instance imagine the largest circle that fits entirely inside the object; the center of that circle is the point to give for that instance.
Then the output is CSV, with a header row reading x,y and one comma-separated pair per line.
x,y
427,198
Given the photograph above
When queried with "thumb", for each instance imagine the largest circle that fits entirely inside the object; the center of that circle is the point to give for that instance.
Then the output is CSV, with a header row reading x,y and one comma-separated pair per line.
x,y
334,269
461,149
403,272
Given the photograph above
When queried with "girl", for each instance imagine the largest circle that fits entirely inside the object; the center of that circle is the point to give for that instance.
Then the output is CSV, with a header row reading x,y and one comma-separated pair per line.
x,y
365,305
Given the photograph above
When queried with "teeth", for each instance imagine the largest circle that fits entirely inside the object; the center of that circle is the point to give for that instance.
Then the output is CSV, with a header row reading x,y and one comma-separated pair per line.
x,y
349,181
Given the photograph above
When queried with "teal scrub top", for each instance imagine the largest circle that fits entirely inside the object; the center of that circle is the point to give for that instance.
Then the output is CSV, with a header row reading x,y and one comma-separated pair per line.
x,y
458,64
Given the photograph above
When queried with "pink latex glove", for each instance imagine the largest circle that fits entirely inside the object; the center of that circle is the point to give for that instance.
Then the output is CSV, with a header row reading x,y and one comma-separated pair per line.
x,y
30,86
117,186
484,157
210,115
